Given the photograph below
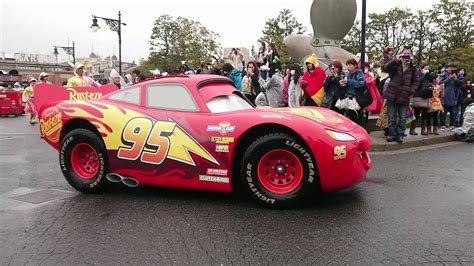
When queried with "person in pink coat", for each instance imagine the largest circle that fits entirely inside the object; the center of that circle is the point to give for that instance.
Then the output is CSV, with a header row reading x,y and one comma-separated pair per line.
x,y
377,101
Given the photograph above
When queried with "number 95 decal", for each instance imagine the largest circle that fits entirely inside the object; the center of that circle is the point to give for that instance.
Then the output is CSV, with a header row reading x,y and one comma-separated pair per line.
x,y
142,135
340,152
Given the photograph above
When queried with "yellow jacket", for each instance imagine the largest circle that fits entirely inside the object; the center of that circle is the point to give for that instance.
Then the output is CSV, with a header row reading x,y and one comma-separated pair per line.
x,y
27,94
76,82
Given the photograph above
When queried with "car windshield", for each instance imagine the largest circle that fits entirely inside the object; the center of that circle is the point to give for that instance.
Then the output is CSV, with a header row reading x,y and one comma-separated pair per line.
x,y
227,103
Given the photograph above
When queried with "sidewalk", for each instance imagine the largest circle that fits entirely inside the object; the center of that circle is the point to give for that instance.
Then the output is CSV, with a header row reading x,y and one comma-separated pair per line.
x,y
379,143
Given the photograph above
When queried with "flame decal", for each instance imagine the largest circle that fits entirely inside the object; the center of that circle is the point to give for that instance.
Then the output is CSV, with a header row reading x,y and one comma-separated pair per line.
x,y
108,119
111,120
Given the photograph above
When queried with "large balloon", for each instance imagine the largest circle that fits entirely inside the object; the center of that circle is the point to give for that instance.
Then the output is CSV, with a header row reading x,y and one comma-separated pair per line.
x,y
331,21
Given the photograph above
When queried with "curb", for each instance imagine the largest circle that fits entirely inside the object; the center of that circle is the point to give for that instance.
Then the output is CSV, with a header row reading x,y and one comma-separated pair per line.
x,y
380,144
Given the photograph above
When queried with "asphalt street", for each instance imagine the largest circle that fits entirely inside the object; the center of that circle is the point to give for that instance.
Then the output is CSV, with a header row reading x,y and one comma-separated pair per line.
x,y
415,207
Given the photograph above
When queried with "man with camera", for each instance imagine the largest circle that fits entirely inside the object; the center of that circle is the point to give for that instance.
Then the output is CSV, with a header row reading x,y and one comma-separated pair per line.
x,y
403,84
452,93
237,57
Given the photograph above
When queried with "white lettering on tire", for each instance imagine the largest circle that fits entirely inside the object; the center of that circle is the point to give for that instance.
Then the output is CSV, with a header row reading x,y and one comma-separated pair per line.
x,y
254,189
307,157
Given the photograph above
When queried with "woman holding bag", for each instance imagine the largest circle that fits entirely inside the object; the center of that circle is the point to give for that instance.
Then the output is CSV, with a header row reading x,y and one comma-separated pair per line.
x,y
332,88
353,82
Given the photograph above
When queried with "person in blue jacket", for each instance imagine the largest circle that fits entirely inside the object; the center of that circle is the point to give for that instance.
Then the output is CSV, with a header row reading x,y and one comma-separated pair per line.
x,y
354,81
234,74
452,93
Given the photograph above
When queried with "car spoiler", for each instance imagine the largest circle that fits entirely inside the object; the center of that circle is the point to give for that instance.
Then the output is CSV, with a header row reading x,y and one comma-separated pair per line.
x,y
48,94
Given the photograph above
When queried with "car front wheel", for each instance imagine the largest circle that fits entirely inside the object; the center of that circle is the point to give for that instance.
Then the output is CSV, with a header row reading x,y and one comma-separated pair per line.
x,y
279,171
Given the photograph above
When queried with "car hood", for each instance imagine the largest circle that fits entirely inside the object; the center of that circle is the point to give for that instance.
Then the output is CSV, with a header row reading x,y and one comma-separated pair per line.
x,y
322,116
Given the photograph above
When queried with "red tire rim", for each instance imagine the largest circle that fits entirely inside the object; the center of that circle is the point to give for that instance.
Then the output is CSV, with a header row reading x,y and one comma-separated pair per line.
x,y
85,161
280,171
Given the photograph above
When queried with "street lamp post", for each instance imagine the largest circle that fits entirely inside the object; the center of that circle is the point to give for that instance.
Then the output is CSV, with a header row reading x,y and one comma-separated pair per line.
x,y
70,50
114,25
362,35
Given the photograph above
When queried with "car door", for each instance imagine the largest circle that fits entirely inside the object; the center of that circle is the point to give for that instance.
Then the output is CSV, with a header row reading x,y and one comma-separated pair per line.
x,y
179,148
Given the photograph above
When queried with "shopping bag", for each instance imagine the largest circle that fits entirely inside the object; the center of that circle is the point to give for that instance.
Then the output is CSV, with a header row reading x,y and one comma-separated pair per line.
x,y
382,121
409,116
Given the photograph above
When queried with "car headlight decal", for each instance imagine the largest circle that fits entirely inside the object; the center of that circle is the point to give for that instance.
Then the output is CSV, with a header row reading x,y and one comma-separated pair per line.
x,y
339,136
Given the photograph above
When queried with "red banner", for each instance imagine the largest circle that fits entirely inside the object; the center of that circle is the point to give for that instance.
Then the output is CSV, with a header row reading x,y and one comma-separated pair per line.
x,y
49,94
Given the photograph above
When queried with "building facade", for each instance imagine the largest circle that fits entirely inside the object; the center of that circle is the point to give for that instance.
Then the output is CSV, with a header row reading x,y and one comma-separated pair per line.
x,y
19,67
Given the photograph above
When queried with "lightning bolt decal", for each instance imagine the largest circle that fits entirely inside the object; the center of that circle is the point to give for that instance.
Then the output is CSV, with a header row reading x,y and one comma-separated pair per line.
x,y
181,146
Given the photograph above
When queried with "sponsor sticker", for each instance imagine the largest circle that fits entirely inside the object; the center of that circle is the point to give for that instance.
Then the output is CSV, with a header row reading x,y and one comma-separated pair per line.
x,y
222,172
340,152
222,140
222,148
51,124
217,179
223,128
74,95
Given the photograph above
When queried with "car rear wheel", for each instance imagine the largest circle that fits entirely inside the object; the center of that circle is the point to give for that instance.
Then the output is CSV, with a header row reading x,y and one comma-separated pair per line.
x,y
279,171
83,160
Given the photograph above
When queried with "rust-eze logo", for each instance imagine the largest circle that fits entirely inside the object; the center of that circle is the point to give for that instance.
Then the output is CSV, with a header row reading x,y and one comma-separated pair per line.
x,y
50,125
74,95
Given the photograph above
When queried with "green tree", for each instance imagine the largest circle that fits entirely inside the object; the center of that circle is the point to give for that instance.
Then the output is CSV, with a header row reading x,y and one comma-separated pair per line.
x,y
455,20
179,39
285,24
351,41
394,28
456,33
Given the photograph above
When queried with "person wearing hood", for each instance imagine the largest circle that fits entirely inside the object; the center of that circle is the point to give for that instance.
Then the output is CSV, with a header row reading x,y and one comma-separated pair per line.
x,y
44,78
80,79
116,79
312,82
128,80
234,74
17,87
273,87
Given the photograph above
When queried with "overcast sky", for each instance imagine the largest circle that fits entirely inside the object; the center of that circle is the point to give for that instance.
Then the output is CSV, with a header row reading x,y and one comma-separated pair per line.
x,y
36,26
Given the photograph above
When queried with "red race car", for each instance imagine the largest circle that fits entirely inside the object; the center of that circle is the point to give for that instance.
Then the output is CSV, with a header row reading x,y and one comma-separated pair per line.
x,y
199,132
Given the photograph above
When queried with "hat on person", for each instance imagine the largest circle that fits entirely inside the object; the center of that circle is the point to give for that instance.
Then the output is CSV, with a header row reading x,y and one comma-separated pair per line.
x,y
32,80
43,74
76,66
114,74
312,59
17,84
451,64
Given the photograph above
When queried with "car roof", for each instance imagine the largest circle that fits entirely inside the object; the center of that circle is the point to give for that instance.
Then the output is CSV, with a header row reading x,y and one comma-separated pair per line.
x,y
191,81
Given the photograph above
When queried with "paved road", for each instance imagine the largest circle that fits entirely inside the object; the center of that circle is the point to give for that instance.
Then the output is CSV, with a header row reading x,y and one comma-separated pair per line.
x,y
415,207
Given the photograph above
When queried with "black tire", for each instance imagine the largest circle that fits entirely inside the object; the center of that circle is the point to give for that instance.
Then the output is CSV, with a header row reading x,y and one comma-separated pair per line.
x,y
84,137
258,152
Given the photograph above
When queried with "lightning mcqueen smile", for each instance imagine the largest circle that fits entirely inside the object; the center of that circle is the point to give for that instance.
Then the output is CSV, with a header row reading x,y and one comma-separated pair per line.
x,y
199,132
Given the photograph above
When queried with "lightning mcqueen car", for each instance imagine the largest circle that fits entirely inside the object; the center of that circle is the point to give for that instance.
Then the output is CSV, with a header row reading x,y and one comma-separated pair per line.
x,y
199,132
